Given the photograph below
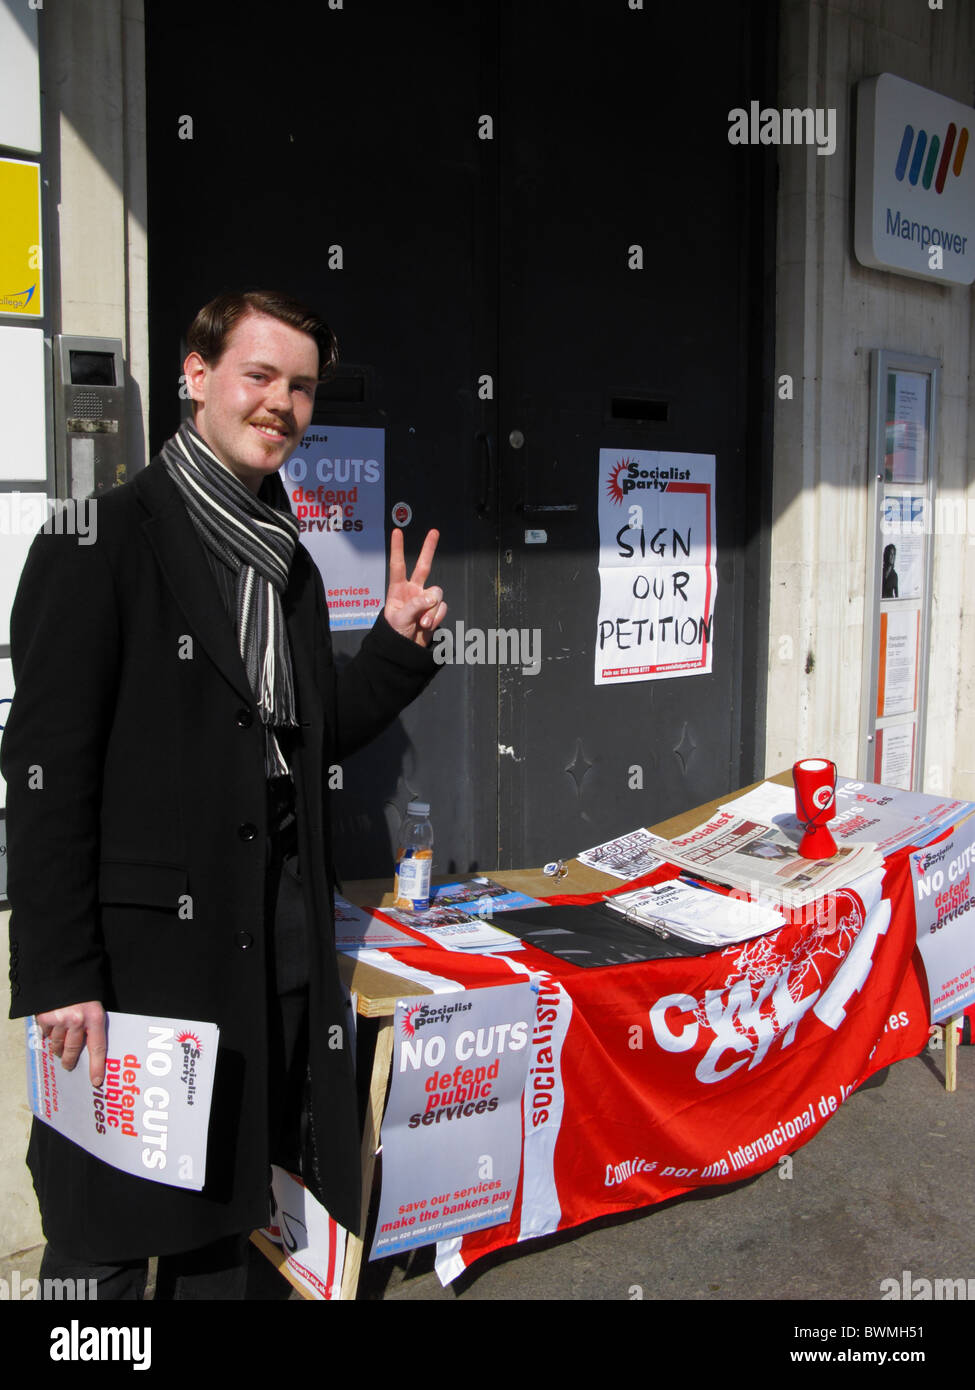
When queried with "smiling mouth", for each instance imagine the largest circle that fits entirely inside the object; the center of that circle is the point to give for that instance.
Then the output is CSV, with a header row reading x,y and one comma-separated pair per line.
x,y
270,429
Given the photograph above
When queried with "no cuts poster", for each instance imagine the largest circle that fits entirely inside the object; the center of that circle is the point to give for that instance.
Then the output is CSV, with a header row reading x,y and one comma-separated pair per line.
x,y
336,484
451,1135
657,565
944,907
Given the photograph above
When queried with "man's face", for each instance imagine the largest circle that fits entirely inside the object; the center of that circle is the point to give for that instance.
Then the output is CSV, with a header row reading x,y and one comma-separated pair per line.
x,y
256,402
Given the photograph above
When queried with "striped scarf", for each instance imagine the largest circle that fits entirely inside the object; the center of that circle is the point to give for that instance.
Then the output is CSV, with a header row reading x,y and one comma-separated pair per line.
x,y
257,542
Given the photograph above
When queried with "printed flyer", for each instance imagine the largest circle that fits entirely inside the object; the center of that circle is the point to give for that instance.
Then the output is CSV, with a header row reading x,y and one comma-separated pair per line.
x,y
451,1136
150,1115
944,908
658,573
337,488
311,1241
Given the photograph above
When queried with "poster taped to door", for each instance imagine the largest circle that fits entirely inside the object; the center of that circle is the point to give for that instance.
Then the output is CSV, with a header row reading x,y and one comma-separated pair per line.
x,y
658,574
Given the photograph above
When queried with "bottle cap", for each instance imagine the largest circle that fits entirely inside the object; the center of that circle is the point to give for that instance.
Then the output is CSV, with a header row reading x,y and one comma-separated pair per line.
x,y
418,808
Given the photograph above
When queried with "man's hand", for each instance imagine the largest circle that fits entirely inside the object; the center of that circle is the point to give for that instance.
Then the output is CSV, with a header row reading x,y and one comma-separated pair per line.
x,y
69,1028
412,610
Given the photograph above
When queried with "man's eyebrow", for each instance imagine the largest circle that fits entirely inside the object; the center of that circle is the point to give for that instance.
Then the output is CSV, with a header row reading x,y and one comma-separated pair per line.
x,y
276,371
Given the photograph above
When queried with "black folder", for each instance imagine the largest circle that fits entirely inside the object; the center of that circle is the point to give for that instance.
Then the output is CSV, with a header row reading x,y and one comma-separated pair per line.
x,y
594,935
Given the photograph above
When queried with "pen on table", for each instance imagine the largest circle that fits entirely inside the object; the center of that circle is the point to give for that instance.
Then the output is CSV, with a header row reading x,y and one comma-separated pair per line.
x,y
697,883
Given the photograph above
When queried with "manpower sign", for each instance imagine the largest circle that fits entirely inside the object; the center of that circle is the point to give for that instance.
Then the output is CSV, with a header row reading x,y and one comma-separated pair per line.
x,y
915,182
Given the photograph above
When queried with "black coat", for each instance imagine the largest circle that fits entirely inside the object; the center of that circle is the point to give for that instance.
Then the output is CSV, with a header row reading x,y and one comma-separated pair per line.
x,y
131,700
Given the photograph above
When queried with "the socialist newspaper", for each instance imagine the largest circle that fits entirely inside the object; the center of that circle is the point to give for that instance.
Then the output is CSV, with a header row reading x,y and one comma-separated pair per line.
x,y
760,859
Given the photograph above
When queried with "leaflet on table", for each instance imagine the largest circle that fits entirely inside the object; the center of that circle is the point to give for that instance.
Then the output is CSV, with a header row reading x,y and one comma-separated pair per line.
x,y
358,930
866,813
451,1135
481,897
944,910
628,856
865,808
757,857
150,1115
455,930
696,914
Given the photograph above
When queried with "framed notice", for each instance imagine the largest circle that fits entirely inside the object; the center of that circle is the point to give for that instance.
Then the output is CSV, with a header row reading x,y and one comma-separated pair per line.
x,y
894,758
897,662
20,238
897,612
906,427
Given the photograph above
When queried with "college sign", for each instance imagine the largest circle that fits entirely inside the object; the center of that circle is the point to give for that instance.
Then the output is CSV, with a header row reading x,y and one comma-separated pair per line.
x,y
915,182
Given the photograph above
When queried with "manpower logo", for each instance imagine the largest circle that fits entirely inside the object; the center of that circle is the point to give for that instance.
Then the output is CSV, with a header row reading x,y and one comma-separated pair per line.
x,y
918,157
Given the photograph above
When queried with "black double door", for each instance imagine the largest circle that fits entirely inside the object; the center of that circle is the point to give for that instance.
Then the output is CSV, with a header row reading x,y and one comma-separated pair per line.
x,y
534,241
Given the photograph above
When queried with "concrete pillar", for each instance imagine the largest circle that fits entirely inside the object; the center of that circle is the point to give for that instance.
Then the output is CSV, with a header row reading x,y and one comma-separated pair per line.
x,y
831,312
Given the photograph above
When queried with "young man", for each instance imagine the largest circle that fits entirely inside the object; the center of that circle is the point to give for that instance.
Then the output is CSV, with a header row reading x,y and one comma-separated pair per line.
x,y
167,752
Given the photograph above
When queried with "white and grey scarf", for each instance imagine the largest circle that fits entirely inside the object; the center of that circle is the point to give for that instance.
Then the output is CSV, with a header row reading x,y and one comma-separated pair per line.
x,y
257,542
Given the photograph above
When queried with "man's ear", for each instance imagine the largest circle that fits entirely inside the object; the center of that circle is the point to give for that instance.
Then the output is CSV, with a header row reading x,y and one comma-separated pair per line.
x,y
195,371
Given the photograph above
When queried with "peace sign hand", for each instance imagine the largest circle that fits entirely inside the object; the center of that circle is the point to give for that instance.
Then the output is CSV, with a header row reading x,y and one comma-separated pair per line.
x,y
414,611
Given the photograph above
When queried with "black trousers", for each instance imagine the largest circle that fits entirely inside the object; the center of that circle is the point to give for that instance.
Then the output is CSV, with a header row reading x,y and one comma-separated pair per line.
x,y
232,1268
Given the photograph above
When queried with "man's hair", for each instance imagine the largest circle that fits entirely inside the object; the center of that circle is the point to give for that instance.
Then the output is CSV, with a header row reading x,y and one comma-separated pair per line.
x,y
209,331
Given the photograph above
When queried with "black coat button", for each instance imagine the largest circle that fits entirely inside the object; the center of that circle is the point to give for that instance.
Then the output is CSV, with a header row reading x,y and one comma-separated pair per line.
x,y
244,940
247,831
244,718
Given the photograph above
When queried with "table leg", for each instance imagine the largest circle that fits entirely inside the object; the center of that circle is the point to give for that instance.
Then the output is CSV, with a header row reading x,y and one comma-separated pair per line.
x,y
951,1052
381,1066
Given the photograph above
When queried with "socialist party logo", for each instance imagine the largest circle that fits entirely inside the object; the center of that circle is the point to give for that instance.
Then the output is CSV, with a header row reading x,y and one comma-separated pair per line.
x,y
927,159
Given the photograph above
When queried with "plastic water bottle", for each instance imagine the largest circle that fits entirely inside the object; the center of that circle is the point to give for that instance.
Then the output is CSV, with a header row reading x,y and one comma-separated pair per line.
x,y
414,859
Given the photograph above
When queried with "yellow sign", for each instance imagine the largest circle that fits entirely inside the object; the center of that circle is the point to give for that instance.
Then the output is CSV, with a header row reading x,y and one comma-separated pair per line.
x,y
20,238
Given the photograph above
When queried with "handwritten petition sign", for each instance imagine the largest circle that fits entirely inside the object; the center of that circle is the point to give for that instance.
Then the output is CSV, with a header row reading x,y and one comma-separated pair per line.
x,y
657,565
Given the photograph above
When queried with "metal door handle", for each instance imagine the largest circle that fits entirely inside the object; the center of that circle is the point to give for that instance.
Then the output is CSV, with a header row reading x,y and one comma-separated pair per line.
x,y
487,472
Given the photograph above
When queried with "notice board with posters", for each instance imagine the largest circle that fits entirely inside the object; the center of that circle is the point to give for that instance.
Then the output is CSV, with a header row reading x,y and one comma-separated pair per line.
x,y
897,613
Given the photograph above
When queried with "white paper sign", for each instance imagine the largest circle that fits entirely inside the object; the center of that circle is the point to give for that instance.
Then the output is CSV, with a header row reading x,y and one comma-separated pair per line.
x,y
150,1115
657,565
899,643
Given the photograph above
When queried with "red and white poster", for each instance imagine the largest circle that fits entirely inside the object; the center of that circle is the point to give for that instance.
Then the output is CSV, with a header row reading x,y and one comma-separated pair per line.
x,y
657,565
313,1243
945,908
337,488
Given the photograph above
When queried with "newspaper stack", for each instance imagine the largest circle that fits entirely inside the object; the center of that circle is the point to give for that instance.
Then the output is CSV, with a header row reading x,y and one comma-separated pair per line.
x,y
761,859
